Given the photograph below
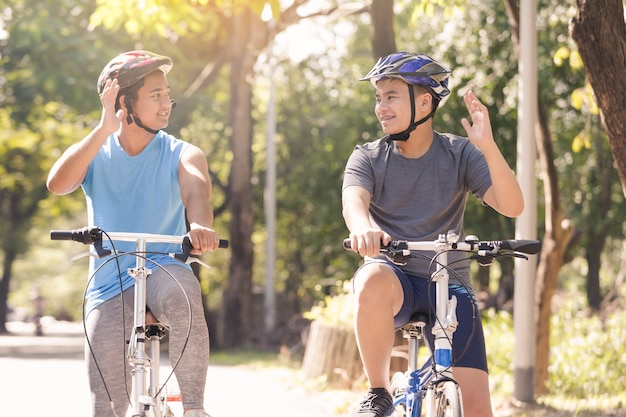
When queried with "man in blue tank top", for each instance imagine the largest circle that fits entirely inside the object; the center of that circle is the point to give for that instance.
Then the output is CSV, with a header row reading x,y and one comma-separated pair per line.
x,y
137,178
412,184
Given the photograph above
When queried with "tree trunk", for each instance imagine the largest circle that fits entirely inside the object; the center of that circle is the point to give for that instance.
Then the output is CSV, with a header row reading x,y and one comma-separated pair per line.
x,y
504,296
238,294
383,35
558,233
592,254
598,225
7,268
332,352
600,34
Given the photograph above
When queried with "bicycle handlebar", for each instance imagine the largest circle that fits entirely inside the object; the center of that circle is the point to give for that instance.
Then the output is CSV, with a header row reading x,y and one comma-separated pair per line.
x,y
93,236
483,248
90,235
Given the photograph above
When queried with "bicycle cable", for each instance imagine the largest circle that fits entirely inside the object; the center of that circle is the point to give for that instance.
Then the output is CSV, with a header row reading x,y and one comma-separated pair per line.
x,y
84,317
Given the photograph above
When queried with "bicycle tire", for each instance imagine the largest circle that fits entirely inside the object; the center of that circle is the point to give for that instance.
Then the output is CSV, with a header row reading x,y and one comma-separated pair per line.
x,y
448,401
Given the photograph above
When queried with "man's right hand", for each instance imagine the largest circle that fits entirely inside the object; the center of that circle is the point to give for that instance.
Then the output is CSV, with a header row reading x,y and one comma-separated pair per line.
x,y
367,242
110,120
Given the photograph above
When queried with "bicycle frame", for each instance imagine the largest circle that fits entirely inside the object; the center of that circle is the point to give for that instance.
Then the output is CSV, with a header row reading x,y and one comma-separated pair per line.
x,y
144,397
144,394
443,329
434,383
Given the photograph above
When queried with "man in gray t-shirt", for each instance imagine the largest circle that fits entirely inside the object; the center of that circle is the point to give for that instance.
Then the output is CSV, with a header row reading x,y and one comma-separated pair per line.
x,y
413,184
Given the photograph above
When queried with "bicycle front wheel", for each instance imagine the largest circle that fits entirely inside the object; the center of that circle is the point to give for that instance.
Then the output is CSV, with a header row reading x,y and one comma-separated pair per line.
x,y
448,401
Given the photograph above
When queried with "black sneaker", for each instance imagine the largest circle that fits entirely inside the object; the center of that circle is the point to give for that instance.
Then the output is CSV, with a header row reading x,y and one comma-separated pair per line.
x,y
377,403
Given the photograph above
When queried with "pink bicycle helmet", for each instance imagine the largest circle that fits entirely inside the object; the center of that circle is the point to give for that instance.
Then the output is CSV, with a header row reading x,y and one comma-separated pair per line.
x,y
131,67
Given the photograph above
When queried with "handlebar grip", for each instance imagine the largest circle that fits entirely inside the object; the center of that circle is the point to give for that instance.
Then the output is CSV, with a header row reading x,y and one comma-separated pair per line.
x,y
86,235
61,235
223,244
529,247
347,244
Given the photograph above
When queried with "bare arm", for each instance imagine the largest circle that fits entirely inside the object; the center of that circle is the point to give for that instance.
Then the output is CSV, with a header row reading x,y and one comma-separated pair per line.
x,y
195,189
365,237
69,171
505,194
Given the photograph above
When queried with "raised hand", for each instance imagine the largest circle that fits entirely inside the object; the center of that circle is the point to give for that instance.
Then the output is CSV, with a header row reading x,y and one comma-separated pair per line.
x,y
479,130
110,120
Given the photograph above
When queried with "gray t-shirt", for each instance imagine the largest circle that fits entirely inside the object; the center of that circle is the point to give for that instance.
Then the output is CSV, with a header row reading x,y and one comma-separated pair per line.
x,y
419,198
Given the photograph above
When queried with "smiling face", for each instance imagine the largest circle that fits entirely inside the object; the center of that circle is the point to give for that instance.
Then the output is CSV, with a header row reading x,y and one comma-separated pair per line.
x,y
153,103
393,105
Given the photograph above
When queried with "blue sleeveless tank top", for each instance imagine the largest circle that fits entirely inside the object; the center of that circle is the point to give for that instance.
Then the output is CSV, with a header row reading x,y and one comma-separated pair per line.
x,y
132,194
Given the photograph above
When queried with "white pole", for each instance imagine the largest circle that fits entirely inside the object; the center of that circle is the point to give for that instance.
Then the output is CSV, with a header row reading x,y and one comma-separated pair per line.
x,y
526,224
270,204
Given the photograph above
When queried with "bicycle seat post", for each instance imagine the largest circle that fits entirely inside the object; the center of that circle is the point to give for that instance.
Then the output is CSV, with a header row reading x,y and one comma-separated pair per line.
x,y
413,332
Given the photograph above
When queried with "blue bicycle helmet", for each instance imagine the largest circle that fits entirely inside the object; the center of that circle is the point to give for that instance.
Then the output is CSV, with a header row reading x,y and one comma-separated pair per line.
x,y
414,69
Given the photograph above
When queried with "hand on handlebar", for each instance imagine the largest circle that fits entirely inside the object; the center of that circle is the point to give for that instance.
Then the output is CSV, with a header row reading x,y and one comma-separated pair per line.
x,y
367,242
203,239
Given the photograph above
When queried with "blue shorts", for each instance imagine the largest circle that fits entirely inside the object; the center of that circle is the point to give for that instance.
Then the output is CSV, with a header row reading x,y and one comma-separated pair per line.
x,y
468,347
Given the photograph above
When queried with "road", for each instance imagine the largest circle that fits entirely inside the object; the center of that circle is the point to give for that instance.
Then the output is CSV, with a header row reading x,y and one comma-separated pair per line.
x,y
46,376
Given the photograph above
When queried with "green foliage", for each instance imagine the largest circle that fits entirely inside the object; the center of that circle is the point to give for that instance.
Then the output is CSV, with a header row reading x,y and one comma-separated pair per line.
x,y
587,357
588,352
592,364
48,266
26,157
335,310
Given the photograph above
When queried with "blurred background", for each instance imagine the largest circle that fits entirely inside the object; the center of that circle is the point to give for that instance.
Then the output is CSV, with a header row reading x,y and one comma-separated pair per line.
x,y
269,90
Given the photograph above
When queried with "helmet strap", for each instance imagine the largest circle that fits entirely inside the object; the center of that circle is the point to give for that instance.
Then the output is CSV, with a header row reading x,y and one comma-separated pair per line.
x,y
130,118
404,136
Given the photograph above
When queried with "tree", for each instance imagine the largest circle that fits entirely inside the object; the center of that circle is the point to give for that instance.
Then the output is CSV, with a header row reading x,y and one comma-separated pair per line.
x,y
26,157
383,34
600,34
40,34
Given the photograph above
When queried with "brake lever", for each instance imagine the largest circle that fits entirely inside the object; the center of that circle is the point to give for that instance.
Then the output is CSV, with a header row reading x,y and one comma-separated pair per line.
x,y
84,255
485,258
186,257
398,256
196,259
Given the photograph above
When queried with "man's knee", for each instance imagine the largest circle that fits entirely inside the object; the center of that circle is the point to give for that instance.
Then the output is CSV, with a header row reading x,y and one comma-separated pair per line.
x,y
376,284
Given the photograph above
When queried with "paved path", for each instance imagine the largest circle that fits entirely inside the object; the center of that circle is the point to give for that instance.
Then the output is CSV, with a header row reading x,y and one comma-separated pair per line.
x,y
46,376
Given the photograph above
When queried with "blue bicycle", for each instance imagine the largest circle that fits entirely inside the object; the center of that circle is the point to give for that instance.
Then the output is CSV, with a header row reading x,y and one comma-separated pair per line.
x,y
430,390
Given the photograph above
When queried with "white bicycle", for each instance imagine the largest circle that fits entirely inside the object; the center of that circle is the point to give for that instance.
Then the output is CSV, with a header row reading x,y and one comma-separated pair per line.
x,y
430,390
149,397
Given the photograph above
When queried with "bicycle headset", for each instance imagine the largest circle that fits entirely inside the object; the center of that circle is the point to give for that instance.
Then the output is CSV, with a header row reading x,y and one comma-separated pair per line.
x,y
414,69
129,68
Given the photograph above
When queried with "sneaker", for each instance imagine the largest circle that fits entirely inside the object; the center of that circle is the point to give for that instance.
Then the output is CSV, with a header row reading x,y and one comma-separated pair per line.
x,y
377,403
196,412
